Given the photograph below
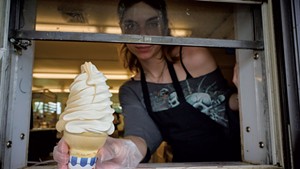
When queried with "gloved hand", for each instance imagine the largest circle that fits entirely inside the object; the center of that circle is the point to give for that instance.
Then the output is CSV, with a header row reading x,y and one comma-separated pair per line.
x,y
118,154
115,154
61,154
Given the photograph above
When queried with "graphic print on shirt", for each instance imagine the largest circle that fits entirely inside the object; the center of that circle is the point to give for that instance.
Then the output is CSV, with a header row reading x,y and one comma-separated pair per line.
x,y
206,97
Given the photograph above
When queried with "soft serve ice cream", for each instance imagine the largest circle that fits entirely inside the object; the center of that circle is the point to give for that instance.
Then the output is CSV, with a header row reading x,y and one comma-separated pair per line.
x,y
88,116
88,107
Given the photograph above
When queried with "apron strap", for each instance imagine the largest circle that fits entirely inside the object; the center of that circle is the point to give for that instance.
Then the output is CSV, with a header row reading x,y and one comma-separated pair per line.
x,y
145,91
188,75
176,83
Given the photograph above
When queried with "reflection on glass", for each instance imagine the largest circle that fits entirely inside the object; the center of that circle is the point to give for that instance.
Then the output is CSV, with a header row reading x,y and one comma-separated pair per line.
x,y
45,109
184,18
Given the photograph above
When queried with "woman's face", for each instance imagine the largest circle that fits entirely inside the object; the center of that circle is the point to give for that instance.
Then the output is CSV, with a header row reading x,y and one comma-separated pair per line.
x,y
142,19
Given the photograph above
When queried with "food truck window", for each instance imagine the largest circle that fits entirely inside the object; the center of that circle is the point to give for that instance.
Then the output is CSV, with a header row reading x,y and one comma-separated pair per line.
x,y
185,18
232,31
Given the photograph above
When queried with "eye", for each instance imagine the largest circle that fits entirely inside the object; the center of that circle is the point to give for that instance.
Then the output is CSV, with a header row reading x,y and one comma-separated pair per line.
x,y
153,27
153,24
130,27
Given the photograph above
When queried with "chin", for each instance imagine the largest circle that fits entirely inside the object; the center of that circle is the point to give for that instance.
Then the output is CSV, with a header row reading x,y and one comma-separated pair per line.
x,y
144,56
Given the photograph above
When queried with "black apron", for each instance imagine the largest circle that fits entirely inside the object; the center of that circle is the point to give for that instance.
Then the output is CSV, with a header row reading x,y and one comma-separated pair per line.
x,y
193,136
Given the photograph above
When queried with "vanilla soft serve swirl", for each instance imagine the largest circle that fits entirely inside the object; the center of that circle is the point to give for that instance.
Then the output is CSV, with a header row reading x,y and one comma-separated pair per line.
x,y
88,107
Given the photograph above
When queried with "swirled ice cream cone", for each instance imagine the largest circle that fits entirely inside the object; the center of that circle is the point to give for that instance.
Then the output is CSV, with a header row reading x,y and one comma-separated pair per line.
x,y
88,117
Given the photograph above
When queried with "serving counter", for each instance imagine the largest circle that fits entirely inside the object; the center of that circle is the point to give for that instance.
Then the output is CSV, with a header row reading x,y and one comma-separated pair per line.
x,y
203,165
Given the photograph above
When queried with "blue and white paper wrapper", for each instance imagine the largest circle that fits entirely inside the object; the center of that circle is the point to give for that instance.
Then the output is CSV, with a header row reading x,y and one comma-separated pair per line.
x,y
82,163
83,148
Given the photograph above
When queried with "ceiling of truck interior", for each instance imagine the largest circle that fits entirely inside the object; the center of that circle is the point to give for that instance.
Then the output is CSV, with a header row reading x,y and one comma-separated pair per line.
x,y
199,19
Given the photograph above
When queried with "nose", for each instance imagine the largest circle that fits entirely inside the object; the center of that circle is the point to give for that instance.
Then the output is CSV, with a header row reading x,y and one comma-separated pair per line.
x,y
143,31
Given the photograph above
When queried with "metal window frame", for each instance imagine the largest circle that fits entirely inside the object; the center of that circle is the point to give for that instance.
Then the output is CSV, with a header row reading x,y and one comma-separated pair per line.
x,y
261,149
287,48
4,77
114,38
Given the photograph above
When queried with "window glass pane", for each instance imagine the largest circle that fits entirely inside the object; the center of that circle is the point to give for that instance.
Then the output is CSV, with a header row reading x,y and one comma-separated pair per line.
x,y
185,18
44,109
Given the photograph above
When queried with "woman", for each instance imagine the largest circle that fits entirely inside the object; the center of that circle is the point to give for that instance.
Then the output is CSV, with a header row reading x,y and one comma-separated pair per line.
x,y
178,94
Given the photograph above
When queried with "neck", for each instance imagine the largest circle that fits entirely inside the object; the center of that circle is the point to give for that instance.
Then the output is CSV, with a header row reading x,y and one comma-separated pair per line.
x,y
156,73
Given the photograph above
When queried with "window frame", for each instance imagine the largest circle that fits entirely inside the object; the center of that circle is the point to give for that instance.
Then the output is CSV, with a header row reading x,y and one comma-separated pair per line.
x,y
264,148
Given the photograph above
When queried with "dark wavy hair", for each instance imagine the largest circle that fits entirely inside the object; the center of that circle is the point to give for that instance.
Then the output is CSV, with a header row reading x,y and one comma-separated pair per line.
x,y
130,61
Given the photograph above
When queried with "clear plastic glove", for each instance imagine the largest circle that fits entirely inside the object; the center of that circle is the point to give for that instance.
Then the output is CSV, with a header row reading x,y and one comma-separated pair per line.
x,y
61,154
118,154
115,154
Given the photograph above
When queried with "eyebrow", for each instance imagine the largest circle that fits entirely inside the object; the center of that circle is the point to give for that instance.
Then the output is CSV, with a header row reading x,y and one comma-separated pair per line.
x,y
148,20
153,18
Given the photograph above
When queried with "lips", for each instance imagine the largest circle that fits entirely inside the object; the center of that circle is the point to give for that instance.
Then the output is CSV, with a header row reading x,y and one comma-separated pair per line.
x,y
143,48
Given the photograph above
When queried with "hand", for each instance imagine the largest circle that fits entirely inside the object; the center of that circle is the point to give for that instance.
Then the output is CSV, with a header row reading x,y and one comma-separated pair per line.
x,y
118,154
233,100
61,154
115,154
235,78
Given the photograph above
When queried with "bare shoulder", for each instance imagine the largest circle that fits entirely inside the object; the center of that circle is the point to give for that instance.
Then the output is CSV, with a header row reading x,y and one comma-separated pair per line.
x,y
196,55
198,60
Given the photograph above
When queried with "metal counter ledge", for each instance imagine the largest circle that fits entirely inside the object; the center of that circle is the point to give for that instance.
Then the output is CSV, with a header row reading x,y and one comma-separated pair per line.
x,y
202,165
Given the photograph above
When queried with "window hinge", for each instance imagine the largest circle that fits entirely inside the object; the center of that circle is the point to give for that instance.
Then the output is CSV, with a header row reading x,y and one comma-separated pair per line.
x,y
20,45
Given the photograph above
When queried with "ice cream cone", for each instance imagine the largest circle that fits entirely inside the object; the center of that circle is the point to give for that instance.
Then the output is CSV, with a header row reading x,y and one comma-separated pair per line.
x,y
83,148
88,117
